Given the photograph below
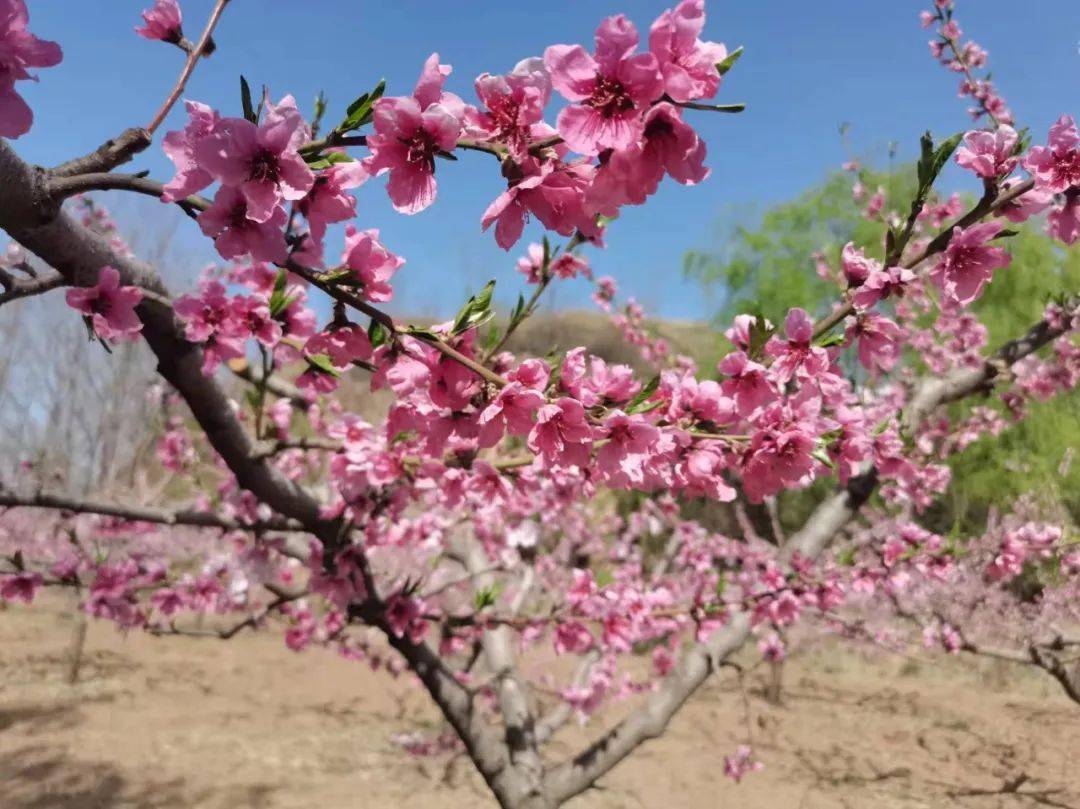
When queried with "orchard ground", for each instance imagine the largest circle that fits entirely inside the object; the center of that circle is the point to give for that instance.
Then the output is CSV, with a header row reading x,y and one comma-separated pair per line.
x,y
157,723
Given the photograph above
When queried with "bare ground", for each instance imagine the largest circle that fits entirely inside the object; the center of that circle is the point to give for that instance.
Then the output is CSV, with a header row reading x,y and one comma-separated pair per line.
x,y
176,722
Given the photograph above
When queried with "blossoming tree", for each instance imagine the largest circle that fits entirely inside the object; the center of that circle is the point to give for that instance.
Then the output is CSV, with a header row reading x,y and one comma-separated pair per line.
x,y
465,537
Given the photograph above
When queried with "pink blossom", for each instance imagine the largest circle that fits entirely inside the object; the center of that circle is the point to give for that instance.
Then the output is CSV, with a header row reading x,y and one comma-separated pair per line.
x,y
236,235
630,175
881,284
746,383
327,202
796,354
738,765
878,341
989,154
410,131
572,637
179,147
562,435
260,160
688,65
511,411
343,345
771,648
1026,205
208,313
857,266
1056,166
404,616
19,50
251,316
110,307
371,263
162,21
1063,222
19,587
551,191
532,374
515,105
969,261
608,91
620,459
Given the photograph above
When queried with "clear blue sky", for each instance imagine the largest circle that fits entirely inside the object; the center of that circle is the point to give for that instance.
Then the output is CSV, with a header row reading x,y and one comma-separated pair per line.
x,y
808,66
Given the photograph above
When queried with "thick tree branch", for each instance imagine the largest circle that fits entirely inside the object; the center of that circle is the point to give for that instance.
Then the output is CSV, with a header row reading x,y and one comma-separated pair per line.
x,y
30,217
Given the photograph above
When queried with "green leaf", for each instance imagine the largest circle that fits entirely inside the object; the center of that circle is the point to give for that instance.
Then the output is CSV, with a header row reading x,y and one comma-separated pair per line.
x,y
830,340
759,336
823,456
422,333
316,162
485,597
321,363
279,301
729,61
320,107
519,309
476,311
846,557
360,111
944,152
245,101
377,333
637,403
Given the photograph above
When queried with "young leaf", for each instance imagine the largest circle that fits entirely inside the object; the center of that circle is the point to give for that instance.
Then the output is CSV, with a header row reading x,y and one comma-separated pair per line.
x,y
377,333
729,61
321,363
638,402
360,111
476,311
245,101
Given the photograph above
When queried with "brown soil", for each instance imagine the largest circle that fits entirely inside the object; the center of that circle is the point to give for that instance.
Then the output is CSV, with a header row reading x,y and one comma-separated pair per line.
x,y
175,722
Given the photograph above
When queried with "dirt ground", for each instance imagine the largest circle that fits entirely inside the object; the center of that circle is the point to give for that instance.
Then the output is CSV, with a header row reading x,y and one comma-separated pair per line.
x,y
159,723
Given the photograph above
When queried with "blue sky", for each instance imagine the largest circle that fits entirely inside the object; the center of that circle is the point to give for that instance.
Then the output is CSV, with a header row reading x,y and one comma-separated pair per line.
x,y
807,68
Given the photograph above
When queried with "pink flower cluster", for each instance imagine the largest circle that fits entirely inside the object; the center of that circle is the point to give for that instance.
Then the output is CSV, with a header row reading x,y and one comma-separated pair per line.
x,y
19,50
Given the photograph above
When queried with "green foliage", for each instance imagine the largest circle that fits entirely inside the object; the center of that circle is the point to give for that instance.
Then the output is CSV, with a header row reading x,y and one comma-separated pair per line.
x,y
769,267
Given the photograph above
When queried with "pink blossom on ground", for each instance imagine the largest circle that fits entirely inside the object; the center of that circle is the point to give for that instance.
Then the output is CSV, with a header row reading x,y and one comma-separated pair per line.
x,y
110,306
687,64
19,50
608,91
740,764
162,21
